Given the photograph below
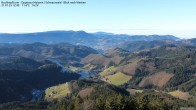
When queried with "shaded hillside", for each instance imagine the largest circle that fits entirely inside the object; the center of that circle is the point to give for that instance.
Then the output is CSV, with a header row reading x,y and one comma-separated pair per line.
x,y
19,63
17,85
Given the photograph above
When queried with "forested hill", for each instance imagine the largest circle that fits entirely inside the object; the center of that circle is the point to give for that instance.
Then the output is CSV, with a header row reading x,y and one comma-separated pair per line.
x,y
39,51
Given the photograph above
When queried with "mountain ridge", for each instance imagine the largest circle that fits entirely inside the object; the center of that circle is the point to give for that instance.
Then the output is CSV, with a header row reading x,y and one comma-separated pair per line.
x,y
99,41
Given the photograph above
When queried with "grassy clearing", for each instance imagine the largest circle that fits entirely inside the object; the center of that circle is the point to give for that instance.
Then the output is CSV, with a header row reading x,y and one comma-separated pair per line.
x,y
108,71
57,92
117,79
74,69
180,95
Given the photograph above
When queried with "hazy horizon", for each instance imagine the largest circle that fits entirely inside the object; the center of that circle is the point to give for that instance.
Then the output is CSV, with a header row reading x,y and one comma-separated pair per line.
x,y
131,17
181,37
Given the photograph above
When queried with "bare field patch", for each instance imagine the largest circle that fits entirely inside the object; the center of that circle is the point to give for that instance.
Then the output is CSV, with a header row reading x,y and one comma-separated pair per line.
x,y
129,68
117,59
158,79
180,95
96,59
86,92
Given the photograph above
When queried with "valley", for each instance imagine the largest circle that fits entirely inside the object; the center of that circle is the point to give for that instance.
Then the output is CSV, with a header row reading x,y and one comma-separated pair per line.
x,y
105,72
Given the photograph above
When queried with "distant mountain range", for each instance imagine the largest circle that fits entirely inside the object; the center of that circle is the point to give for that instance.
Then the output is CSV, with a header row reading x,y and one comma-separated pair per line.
x,y
99,40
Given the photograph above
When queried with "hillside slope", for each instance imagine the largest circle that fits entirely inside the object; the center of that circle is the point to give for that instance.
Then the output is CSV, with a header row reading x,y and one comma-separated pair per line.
x,y
164,67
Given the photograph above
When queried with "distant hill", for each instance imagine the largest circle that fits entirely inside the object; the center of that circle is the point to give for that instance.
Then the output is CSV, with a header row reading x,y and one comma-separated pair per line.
x,y
63,52
99,41
133,46
141,45
189,41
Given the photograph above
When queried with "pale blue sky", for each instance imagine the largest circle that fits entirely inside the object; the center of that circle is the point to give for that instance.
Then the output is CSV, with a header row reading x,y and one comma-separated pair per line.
x,y
176,17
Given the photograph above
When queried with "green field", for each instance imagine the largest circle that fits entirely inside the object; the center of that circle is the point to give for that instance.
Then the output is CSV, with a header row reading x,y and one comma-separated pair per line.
x,y
108,70
117,79
57,92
